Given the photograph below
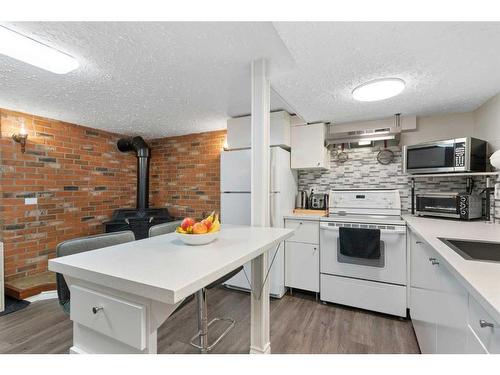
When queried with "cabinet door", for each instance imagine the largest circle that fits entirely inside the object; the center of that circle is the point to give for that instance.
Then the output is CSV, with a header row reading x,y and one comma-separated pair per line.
x,y
308,146
423,316
474,345
452,311
302,266
423,274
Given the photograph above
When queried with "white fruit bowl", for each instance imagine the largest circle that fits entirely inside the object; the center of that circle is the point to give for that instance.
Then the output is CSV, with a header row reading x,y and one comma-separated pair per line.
x,y
197,239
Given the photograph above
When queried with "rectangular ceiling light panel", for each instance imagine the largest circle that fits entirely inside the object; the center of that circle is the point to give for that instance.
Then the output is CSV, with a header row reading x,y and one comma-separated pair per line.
x,y
32,52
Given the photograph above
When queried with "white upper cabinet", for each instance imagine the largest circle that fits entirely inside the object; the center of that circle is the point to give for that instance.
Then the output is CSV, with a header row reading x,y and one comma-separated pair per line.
x,y
308,147
239,131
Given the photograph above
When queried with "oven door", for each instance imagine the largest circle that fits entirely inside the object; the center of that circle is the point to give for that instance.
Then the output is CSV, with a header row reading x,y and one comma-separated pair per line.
x,y
389,268
433,157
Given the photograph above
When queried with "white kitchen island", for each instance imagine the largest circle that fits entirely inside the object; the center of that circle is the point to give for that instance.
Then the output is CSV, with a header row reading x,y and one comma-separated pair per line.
x,y
120,295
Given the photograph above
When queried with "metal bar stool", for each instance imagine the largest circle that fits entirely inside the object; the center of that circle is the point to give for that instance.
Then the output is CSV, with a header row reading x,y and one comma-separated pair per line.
x,y
203,324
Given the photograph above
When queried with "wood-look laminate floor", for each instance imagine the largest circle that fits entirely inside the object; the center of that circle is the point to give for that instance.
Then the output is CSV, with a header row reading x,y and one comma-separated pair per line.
x,y
299,324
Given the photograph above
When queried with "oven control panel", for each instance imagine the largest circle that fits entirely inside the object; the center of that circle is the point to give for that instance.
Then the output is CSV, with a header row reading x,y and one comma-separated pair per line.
x,y
365,201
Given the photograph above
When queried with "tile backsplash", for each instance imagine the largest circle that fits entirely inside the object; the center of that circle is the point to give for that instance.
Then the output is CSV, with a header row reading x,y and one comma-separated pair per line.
x,y
363,171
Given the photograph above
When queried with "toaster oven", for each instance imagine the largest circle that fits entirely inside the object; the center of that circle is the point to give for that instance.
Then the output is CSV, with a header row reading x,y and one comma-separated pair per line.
x,y
453,205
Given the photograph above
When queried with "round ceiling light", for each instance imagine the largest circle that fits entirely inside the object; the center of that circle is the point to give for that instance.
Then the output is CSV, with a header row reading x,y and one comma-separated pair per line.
x,y
378,89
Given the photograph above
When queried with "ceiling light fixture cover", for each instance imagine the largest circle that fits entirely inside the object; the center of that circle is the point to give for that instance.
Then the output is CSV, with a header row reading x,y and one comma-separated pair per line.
x,y
378,89
30,51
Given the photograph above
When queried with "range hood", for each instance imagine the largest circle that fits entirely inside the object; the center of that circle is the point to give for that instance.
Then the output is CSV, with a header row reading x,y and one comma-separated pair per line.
x,y
365,132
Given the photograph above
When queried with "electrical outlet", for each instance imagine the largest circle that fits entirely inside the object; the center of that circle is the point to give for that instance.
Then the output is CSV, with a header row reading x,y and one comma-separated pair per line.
x,y
28,201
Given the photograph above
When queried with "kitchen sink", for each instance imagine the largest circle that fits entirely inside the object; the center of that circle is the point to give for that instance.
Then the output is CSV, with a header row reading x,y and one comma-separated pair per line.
x,y
475,250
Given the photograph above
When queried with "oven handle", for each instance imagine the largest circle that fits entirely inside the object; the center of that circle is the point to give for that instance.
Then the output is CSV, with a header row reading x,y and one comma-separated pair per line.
x,y
382,231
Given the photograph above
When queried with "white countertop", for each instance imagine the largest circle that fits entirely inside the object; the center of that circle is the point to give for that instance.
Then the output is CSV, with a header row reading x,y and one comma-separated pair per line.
x,y
303,217
482,279
163,268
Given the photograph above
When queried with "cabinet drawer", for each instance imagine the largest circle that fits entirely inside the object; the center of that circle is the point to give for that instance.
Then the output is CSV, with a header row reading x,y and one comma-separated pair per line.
x,y
489,336
122,320
385,298
423,273
302,266
305,231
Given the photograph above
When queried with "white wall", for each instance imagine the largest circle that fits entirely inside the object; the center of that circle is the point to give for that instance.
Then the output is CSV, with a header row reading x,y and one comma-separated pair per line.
x,y
433,128
487,122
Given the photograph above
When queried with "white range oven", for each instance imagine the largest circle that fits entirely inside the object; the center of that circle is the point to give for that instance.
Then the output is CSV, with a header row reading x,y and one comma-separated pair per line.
x,y
363,251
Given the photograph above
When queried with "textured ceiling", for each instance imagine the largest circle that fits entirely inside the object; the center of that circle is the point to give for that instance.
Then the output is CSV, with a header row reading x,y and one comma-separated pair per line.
x,y
152,79
158,79
448,67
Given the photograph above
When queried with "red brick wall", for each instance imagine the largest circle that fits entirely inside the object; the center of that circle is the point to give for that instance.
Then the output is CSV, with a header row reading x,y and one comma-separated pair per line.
x,y
78,176
185,173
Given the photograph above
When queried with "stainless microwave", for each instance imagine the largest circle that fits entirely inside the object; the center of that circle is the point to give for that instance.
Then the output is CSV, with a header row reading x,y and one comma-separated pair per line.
x,y
452,155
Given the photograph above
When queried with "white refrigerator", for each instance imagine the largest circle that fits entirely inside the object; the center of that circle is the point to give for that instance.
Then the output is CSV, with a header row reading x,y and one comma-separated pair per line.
x,y
235,206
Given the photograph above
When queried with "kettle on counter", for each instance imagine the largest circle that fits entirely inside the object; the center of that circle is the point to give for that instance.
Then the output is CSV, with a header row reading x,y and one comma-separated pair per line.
x,y
302,200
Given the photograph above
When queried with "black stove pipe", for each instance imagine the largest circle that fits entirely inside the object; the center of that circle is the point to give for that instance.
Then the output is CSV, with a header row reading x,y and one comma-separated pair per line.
x,y
142,151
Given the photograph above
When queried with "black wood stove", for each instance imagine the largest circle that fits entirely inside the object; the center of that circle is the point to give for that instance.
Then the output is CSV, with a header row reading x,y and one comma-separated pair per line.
x,y
140,219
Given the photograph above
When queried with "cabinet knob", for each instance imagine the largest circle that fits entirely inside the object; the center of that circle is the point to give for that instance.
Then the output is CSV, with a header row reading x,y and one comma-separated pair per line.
x,y
435,263
95,309
484,324
432,259
418,242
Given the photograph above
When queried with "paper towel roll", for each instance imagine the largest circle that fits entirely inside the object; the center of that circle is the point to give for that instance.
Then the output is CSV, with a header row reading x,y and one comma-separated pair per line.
x,y
495,159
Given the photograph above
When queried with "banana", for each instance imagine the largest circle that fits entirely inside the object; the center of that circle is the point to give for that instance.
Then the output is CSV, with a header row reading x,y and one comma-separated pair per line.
x,y
215,227
211,217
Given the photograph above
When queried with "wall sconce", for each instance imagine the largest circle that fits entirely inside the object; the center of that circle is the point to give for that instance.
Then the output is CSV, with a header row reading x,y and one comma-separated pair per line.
x,y
21,137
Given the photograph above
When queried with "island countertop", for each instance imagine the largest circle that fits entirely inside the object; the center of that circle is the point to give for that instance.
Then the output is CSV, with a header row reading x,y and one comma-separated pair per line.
x,y
165,269
480,278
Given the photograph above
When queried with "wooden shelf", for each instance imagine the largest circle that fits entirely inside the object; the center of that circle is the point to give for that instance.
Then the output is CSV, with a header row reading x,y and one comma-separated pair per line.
x,y
457,174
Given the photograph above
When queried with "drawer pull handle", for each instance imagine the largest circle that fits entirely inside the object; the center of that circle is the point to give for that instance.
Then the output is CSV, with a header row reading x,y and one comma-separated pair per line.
x,y
432,259
484,323
95,310
435,263
418,242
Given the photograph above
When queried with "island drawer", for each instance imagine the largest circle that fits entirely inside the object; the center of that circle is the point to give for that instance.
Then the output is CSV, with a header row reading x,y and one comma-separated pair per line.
x,y
485,327
305,231
114,317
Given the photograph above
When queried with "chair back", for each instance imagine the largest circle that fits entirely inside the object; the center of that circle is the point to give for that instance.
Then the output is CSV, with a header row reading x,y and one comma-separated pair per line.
x,y
80,245
164,228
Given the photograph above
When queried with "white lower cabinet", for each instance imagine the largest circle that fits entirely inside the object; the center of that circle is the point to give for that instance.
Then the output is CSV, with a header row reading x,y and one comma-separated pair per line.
x,y
487,330
451,307
422,311
445,317
302,266
474,344
302,255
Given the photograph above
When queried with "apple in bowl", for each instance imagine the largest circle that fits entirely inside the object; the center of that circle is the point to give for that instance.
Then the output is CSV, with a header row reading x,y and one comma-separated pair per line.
x,y
199,233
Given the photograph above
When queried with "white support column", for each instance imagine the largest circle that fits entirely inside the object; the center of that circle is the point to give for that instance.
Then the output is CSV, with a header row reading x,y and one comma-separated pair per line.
x,y
259,335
